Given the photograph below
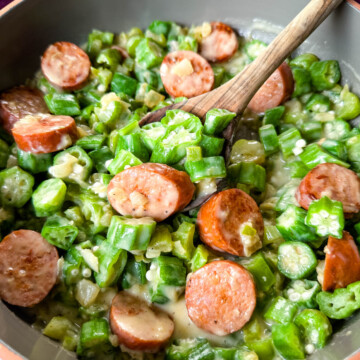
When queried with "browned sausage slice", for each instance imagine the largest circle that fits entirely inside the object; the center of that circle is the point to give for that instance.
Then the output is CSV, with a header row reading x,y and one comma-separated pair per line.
x,y
186,73
333,181
155,190
342,263
28,268
40,134
231,221
19,102
221,44
220,297
276,89
65,65
139,326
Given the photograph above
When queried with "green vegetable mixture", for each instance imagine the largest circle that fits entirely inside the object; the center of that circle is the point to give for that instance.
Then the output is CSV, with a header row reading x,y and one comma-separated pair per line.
x,y
63,196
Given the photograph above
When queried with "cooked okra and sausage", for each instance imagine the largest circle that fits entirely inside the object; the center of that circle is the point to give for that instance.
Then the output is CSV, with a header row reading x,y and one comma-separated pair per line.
x,y
165,240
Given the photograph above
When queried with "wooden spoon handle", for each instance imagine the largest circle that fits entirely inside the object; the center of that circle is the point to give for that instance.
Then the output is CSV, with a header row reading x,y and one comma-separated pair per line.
x,y
236,93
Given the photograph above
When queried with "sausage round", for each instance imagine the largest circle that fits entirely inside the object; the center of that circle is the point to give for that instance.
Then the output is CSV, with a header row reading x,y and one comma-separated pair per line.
x,y
186,73
28,268
221,44
276,89
223,217
155,190
65,65
220,297
41,134
19,102
342,263
333,181
139,326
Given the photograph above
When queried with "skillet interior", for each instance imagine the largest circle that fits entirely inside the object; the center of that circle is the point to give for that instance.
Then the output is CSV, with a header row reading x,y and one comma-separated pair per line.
x,y
28,28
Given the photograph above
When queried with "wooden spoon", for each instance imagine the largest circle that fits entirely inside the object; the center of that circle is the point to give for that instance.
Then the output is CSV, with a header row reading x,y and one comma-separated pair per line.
x,y
236,93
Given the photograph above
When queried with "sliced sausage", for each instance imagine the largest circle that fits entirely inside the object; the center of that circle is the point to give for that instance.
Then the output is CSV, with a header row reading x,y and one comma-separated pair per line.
x,y
155,190
19,102
221,44
186,73
65,65
222,222
139,326
342,263
220,297
333,181
40,134
276,89
28,268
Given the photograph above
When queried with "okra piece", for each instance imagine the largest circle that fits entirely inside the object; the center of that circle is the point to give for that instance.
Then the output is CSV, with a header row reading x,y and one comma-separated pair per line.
x,y
15,187
264,348
298,169
166,274
269,139
336,130
132,44
133,143
325,74
289,141
34,163
340,304
93,333
109,113
281,311
209,167
260,270
315,326
62,104
211,146
200,257
303,293
171,148
302,79
217,120
161,242
318,103
348,107
272,236
327,217
74,214
187,42
304,60
296,260
287,341
248,173
72,165
273,116
58,327
150,133
160,27
49,197
134,273
97,39
313,155
121,83
123,160
353,147
311,130
335,148
254,48
91,142
100,157
190,349
247,151
72,266
183,239
148,54
130,234
59,231
112,261
109,58
160,39
4,153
